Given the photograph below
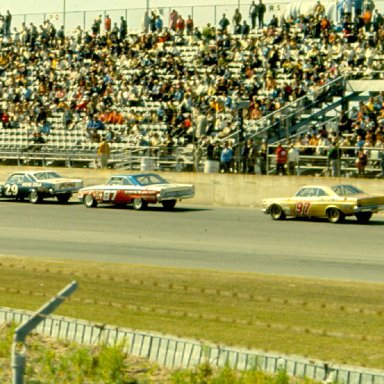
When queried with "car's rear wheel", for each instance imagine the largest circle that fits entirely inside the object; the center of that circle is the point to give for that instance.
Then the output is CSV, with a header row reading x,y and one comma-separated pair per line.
x,y
168,204
89,201
363,217
335,216
139,204
34,197
64,198
277,212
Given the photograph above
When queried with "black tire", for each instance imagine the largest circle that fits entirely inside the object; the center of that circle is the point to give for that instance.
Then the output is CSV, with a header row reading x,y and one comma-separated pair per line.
x,y
168,204
64,198
89,201
277,212
139,204
363,217
34,197
334,215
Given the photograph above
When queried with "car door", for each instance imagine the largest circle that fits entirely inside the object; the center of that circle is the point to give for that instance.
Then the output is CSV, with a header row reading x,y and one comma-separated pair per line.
x,y
306,202
114,192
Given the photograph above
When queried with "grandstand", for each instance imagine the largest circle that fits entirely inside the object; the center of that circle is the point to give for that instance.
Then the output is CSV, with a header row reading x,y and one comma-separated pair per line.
x,y
163,95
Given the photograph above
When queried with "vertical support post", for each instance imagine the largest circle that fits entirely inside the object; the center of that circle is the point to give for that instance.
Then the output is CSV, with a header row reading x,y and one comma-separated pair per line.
x,y
21,332
64,12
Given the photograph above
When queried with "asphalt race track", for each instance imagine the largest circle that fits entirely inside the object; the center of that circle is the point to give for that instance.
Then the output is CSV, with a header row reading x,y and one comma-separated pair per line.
x,y
202,237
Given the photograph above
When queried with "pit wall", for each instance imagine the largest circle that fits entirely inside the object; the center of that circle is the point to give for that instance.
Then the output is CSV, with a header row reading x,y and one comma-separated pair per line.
x,y
219,189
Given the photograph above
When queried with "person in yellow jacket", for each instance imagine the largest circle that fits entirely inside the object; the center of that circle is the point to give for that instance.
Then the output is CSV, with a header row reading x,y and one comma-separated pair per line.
x,y
103,153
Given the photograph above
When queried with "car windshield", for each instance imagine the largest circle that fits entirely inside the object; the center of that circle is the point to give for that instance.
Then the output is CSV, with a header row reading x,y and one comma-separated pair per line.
x,y
46,175
346,190
149,179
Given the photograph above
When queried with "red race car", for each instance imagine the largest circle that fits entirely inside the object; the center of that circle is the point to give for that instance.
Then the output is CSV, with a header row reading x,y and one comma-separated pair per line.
x,y
138,190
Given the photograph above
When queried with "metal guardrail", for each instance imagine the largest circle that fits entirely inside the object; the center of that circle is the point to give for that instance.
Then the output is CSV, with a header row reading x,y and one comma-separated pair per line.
x,y
125,157
318,163
172,352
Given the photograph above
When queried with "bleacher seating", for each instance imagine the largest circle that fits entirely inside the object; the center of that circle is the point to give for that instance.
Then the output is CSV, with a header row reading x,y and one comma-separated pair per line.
x,y
137,76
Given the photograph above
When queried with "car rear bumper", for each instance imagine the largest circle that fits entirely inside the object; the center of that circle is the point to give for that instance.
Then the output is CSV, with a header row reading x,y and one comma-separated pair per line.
x,y
369,208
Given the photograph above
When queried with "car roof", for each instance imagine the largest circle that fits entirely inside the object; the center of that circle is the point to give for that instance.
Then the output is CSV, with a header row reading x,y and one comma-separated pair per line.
x,y
33,172
134,175
315,186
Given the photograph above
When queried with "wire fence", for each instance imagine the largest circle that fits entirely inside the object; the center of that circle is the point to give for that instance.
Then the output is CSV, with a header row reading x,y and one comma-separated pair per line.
x,y
172,352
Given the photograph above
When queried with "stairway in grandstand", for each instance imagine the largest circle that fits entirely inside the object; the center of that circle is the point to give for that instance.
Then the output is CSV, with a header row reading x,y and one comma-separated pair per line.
x,y
321,107
295,117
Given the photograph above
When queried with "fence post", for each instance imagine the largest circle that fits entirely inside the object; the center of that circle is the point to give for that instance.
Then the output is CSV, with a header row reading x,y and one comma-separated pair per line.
x,y
21,332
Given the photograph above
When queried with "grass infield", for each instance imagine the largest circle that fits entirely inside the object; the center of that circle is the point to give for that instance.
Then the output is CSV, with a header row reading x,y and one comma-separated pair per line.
x,y
334,321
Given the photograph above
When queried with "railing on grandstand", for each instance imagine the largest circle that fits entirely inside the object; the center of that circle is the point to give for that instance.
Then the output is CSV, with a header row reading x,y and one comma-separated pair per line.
x,y
314,161
278,124
122,156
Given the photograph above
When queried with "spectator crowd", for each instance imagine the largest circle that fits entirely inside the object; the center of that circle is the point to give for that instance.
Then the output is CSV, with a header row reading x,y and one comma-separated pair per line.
x,y
189,81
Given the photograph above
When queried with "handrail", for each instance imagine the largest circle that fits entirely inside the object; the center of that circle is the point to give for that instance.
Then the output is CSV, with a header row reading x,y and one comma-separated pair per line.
x,y
264,120
293,105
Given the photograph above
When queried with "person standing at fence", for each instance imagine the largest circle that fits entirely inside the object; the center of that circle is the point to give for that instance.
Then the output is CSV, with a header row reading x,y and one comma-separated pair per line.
x,y
281,159
224,23
252,157
253,14
361,162
103,153
334,156
226,158
293,160
189,25
7,23
244,157
263,154
261,9
123,30
107,24
173,17
236,20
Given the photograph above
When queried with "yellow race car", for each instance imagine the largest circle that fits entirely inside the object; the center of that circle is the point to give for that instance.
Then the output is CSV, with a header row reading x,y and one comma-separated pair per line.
x,y
334,203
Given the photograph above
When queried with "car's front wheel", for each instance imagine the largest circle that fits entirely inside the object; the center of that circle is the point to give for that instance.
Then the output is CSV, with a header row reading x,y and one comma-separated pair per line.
x,y
64,198
363,217
277,212
89,201
139,204
34,197
168,204
334,215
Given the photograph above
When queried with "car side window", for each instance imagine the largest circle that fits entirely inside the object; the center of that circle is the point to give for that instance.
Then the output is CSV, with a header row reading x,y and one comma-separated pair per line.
x,y
116,181
307,192
338,191
321,192
301,193
126,182
15,179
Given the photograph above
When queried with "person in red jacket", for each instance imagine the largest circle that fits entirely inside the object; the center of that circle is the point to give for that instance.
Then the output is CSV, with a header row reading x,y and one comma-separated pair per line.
x,y
107,24
281,159
180,26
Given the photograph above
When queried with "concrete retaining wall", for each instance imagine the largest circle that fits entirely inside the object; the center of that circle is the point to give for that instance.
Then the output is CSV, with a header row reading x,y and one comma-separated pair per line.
x,y
221,189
